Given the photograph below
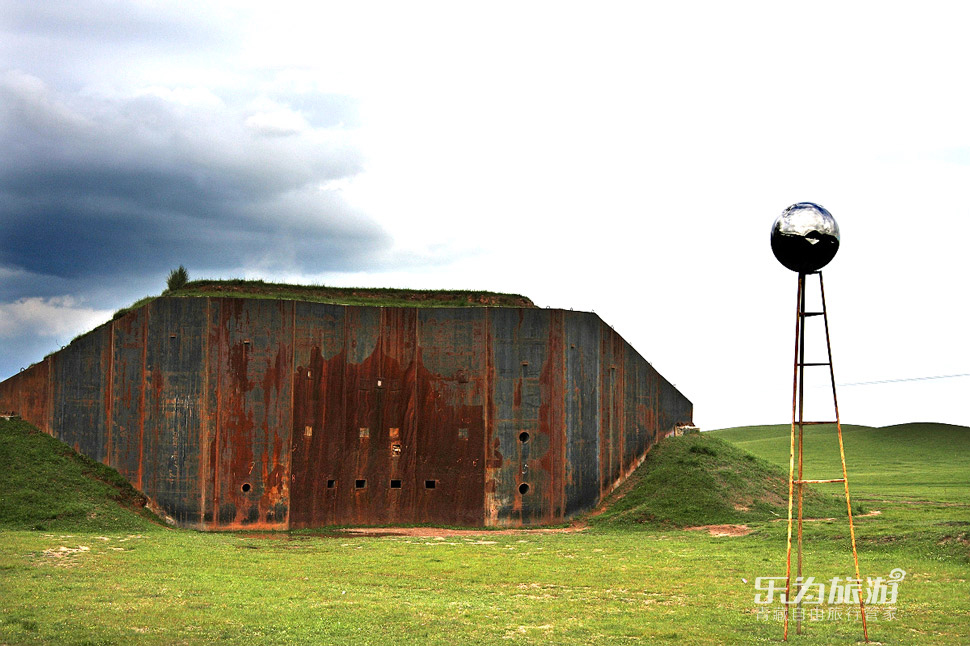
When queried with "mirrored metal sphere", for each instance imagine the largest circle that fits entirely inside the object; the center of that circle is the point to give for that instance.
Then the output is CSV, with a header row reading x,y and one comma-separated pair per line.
x,y
805,237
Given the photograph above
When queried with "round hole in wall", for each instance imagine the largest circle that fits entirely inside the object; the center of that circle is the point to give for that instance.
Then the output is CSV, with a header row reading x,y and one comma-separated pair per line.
x,y
524,436
524,488
246,487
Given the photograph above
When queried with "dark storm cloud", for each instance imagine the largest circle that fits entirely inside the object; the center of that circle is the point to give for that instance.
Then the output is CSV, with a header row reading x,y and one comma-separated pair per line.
x,y
101,186
135,137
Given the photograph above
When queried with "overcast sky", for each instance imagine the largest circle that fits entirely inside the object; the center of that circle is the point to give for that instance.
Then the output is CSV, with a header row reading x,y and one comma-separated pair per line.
x,y
625,158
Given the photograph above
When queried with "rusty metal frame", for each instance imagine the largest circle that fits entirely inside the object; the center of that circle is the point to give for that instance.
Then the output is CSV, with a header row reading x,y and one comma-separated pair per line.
x,y
798,419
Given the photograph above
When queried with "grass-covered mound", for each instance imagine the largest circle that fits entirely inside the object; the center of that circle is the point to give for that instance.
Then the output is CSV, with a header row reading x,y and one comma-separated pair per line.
x,y
698,479
382,296
46,485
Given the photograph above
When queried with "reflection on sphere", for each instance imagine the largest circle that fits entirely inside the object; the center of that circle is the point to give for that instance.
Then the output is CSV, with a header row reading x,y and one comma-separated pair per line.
x,y
805,237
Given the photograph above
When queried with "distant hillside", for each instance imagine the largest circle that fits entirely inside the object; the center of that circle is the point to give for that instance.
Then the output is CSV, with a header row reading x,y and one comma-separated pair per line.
x,y
383,296
699,479
905,461
46,486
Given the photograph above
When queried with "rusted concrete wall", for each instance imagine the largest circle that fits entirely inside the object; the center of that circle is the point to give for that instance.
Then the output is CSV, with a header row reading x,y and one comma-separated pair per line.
x,y
28,394
234,413
388,416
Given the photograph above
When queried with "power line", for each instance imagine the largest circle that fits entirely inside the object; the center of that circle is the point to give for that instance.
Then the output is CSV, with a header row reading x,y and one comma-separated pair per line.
x,y
893,381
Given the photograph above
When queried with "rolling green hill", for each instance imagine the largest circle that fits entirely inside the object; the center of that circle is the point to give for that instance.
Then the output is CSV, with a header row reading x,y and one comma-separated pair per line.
x,y
902,462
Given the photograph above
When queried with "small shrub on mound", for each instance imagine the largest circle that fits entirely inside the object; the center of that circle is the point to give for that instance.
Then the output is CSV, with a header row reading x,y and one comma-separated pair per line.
x,y
697,479
177,278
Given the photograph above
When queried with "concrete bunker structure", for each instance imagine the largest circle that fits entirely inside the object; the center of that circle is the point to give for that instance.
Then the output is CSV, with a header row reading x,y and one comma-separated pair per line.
x,y
237,413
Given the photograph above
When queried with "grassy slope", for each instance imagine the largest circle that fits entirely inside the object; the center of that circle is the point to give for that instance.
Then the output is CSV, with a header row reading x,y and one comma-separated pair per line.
x,y
388,297
45,485
906,461
617,583
702,480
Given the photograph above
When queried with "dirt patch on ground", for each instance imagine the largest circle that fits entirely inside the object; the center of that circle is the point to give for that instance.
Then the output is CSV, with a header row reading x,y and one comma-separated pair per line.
x,y
874,512
434,532
963,538
63,551
722,530
932,503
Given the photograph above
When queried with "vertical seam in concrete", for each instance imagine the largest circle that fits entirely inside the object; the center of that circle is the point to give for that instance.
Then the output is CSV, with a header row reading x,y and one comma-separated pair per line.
x,y
345,368
612,401
563,403
621,408
487,500
216,456
600,382
412,422
49,413
109,397
141,397
206,417
288,460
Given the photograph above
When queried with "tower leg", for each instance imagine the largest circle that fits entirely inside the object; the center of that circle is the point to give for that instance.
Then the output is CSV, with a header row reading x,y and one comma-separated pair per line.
x,y
798,420
791,452
845,475
800,377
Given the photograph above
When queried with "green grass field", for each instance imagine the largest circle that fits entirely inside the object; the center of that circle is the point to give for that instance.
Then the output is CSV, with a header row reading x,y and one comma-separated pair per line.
x,y
632,576
903,462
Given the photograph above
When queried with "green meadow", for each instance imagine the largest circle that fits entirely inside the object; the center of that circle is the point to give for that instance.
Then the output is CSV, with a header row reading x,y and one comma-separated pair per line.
x,y
913,462
82,563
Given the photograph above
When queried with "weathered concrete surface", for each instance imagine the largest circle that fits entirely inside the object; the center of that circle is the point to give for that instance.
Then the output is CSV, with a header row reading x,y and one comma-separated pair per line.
x,y
232,413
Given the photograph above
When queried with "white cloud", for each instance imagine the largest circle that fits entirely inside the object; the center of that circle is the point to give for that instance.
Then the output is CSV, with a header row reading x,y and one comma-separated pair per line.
x,y
277,123
187,96
34,101
60,317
